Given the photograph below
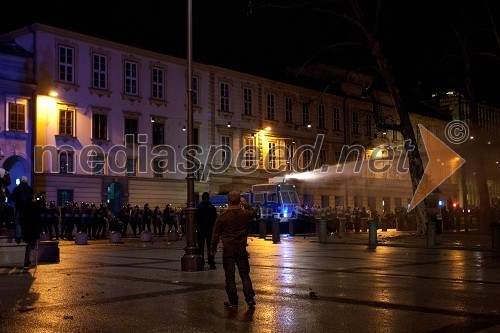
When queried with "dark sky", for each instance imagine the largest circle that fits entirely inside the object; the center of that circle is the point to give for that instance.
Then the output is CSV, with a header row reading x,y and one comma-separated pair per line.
x,y
267,40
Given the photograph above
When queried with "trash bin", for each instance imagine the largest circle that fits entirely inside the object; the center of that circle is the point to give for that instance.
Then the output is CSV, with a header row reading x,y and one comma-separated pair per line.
x,y
431,233
276,231
322,231
372,233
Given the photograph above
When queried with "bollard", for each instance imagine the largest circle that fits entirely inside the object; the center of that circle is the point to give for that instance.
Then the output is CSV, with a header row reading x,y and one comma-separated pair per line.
x,y
291,229
322,231
173,235
495,235
431,233
146,236
115,237
81,239
48,251
276,231
372,233
262,228
341,227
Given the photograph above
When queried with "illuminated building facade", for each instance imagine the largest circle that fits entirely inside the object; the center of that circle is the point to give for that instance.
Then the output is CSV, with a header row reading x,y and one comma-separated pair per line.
x,y
108,125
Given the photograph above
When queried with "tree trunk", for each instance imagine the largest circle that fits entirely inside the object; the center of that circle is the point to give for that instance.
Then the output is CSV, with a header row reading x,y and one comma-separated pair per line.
x,y
414,158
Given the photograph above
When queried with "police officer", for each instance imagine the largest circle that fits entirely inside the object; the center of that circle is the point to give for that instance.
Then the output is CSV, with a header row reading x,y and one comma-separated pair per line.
x,y
77,216
134,219
53,219
92,230
157,221
67,222
147,215
85,211
165,219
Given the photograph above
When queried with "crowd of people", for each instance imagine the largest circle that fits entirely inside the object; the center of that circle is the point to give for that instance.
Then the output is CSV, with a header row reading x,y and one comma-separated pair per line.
x,y
97,221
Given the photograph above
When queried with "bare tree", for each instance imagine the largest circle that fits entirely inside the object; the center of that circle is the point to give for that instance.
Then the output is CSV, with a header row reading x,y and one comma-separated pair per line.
x,y
369,27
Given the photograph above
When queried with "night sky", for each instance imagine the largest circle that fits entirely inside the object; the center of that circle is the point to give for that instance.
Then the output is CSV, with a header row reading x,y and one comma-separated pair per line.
x,y
260,38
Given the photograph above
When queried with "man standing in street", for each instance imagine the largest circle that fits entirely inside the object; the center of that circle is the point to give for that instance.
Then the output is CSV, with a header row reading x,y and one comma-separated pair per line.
x,y
205,222
23,197
232,227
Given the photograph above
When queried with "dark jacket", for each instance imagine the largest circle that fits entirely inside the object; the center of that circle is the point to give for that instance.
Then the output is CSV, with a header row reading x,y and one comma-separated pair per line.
x,y
206,214
232,227
26,211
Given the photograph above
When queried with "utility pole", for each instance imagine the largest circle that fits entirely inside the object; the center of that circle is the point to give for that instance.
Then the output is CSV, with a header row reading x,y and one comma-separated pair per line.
x,y
192,260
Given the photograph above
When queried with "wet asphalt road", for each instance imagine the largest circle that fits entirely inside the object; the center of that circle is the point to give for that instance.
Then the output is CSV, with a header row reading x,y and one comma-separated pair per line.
x,y
140,287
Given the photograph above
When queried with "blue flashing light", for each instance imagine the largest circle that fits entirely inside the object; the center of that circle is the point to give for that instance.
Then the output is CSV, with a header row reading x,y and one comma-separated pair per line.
x,y
441,203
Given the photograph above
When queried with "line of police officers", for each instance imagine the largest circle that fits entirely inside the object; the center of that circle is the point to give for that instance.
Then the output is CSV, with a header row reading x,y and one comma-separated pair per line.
x,y
60,222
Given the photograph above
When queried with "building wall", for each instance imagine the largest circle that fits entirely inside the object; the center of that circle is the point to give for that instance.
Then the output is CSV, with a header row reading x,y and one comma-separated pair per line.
x,y
210,119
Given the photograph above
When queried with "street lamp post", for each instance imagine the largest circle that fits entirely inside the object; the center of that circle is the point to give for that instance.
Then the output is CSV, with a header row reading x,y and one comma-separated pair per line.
x,y
192,260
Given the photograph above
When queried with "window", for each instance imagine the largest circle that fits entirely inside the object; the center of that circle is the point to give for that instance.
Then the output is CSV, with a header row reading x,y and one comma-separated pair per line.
x,y
17,117
321,116
336,119
355,122
270,106
247,101
195,88
64,196
158,133
305,114
372,203
224,97
99,71
289,155
99,126
288,110
306,160
158,168
337,156
96,163
66,64
322,157
130,167
358,202
66,121
131,76
157,83
308,200
398,203
272,155
369,124
249,156
325,201
226,151
130,131
66,162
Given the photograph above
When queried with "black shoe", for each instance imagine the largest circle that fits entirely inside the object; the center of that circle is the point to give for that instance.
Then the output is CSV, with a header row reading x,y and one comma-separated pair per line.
x,y
228,304
213,267
251,302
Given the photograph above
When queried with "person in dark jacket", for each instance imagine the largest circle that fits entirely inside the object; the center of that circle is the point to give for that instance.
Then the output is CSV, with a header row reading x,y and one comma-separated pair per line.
x,y
4,194
206,214
232,228
23,197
